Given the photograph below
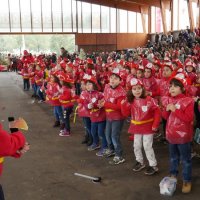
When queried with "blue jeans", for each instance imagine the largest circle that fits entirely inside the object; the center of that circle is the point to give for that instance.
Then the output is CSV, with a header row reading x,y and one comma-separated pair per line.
x,y
34,86
58,113
181,152
98,131
67,113
113,132
87,124
39,93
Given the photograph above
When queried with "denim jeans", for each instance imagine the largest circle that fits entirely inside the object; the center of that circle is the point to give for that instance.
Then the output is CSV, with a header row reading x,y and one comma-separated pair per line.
x,y
98,131
39,93
181,152
58,113
67,112
87,124
113,132
26,84
34,86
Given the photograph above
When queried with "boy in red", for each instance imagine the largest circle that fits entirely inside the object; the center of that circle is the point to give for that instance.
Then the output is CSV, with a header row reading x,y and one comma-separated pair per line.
x,y
178,110
84,113
97,116
145,120
11,145
113,95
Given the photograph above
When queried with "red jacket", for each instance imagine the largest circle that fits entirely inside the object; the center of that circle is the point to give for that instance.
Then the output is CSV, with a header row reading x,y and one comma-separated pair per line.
x,y
10,144
82,107
66,98
39,77
52,94
163,87
179,129
145,115
25,73
31,75
150,85
113,98
96,114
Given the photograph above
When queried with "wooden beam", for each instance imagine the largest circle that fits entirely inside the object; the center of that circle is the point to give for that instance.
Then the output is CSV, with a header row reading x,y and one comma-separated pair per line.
x,y
115,4
190,12
143,12
163,14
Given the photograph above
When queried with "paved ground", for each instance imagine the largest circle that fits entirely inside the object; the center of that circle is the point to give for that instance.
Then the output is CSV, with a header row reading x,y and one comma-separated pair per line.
x,y
46,172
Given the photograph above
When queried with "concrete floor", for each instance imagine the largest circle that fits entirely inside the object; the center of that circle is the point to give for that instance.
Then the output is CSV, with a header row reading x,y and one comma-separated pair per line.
x,y
47,171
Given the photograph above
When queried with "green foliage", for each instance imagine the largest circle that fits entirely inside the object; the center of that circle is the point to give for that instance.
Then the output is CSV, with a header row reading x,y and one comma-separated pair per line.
x,y
37,43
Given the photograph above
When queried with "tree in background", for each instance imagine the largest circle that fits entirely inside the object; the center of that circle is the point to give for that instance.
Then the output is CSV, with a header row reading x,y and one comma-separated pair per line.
x,y
37,43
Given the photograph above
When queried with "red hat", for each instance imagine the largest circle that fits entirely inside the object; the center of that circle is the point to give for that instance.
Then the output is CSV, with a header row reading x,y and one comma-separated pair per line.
x,y
89,61
190,63
135,81
181,77
88,77
64,77
116,71
140,67
149,66
168,64
25,52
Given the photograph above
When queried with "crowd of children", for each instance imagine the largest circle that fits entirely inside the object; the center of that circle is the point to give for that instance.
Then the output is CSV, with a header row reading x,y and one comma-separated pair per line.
x,y
150,93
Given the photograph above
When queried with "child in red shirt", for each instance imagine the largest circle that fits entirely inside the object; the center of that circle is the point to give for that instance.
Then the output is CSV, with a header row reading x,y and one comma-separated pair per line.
x,y
178,110
145,120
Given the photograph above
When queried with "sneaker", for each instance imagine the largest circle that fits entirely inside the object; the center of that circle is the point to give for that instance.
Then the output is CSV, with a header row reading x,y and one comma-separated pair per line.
x,y
151,170
108,153
138,167
186,188
40,101
117,160
93,147
62,131
101,152
64,134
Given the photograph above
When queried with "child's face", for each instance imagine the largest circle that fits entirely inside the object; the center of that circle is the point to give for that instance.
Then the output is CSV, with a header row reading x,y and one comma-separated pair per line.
x,y
137,91
89,86
139,74
133,71
83,87
114,81
147,73
52,79
166,72
175,66
189,69
174,90
156,67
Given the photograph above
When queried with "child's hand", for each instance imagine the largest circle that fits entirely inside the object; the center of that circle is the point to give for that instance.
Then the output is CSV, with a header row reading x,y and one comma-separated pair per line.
x,y
195,98
123,101
101,103
25,148
90,105
171,107
154,129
